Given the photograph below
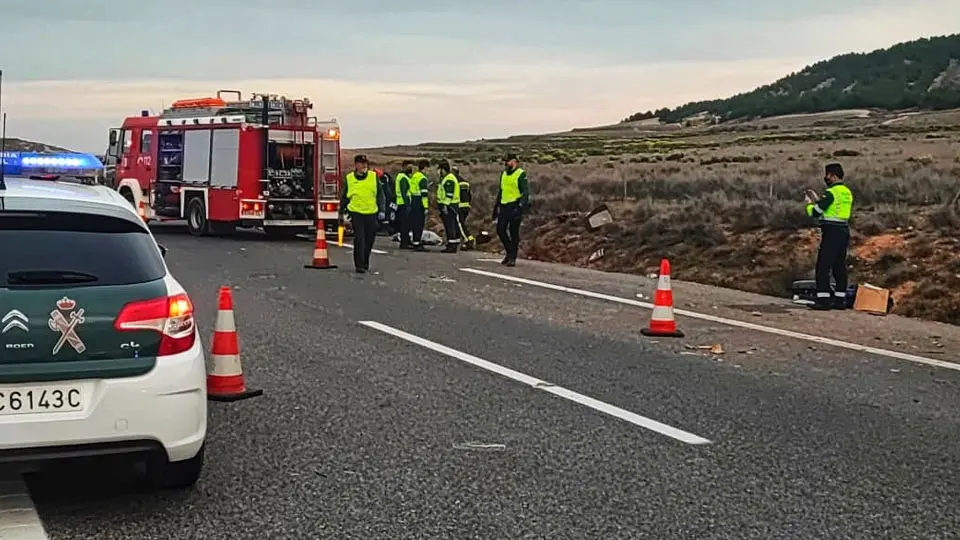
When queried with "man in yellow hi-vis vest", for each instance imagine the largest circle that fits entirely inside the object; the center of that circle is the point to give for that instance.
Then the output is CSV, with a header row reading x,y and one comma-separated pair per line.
x,y
466,197
419,203
362,199
403,200
513,199
833,211
448,202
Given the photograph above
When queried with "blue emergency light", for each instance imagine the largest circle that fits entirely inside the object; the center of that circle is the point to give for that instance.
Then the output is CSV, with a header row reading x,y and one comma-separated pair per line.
x,y
42,164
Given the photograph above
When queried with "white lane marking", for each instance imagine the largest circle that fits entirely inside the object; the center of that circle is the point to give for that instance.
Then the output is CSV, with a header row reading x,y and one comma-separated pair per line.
x,y
18,517
730,322
538,384
350,246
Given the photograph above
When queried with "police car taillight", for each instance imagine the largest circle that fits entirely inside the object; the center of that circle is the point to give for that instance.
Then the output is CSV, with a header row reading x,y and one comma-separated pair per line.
x,y
171,316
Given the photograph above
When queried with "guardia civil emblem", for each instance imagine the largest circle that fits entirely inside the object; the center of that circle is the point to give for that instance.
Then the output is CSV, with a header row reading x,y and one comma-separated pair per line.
x,y
65,320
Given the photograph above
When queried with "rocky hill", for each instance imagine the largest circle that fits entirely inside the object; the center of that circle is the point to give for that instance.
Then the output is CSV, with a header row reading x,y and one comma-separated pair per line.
x,y
917,74
20,145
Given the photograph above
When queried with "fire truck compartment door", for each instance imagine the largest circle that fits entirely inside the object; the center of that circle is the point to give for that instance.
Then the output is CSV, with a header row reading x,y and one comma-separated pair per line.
x,y
196,156
224,160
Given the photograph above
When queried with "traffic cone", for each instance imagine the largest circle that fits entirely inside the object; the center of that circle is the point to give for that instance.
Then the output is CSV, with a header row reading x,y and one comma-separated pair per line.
x,y
662,323
142,211
321,260
225,381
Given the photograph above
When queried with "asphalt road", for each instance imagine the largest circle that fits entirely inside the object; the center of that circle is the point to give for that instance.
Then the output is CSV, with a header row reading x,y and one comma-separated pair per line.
x,y
365,432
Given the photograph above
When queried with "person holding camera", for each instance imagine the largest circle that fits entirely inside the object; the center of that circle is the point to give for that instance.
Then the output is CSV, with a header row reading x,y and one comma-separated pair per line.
x,y
833,211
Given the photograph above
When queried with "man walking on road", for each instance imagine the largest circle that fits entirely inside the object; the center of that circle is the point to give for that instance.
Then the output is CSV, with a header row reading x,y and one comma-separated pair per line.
x,y
513,199
448,202
362,198
419,203
402,190
833,211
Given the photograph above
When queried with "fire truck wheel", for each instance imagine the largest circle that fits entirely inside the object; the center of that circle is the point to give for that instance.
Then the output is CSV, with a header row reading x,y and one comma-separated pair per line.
x,y
197,222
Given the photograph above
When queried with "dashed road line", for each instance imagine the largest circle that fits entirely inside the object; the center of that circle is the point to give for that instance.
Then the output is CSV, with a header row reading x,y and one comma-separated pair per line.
x,y
730,322
18,517
538,384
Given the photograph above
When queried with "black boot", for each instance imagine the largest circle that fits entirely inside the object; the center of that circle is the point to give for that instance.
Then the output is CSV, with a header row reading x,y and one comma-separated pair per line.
x,y
840,303
822,304
451,248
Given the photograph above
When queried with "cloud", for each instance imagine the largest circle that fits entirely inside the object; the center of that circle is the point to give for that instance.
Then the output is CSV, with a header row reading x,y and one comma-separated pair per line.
x,y
549,97
398,72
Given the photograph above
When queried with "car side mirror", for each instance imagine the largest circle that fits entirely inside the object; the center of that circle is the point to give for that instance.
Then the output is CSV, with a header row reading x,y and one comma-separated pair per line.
x,y
163,250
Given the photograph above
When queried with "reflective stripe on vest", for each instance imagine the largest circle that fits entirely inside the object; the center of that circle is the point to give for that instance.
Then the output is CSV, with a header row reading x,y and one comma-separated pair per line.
x,y
362,194
464,187
396,187
510,186
842,205
418,188
442,197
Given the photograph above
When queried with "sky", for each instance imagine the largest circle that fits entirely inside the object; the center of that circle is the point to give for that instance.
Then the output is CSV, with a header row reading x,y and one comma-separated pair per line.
x,y
403,72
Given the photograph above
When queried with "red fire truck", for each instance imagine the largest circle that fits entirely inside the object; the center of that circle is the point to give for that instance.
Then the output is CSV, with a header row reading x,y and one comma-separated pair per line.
x,y
262,162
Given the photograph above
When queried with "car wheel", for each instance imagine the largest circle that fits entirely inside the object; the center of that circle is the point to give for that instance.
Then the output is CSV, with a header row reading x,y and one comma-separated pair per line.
x,y
163,474
196,218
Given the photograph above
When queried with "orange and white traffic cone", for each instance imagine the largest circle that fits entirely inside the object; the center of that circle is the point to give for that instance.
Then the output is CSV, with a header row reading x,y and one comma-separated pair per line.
x,y
142,211
225,381
321,259
662,322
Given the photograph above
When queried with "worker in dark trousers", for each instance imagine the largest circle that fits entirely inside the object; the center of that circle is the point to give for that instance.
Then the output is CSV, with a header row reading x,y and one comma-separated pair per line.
x,y
833,211
513,199
448,203
402,190
363,200
419,203
465,199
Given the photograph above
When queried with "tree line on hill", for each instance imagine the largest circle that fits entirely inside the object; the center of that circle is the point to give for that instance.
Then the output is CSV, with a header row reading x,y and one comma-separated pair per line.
x,y
924,73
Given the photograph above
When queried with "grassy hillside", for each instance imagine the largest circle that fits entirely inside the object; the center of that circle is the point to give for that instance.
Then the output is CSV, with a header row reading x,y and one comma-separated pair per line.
x,y
725,202
20,145
924,73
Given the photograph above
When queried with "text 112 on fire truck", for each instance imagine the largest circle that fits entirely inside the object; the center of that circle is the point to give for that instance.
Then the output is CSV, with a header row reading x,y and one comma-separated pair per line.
x,y
221,164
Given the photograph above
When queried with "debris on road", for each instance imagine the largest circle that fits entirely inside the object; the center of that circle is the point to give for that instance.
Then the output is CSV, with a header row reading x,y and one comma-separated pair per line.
x,y
442,278
596,256
714,349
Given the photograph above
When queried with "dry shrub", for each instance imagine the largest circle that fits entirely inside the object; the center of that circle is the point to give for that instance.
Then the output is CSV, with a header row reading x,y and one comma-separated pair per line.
x,y
727,209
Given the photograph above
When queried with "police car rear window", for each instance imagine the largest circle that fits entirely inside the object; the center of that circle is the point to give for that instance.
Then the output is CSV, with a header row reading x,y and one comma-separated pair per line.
x,y
113,251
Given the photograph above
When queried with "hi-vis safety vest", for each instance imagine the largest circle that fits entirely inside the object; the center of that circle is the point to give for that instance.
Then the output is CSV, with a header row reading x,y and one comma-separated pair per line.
x,y
464,194
418,188
510,186
840,209
362,194
442,197
396,187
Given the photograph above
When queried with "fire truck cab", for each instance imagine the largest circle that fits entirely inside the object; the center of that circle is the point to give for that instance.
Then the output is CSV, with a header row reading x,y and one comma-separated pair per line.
x,y
262,162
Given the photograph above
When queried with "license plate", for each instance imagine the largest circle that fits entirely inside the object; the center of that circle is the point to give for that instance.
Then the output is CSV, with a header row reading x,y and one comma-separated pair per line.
x,y
40,399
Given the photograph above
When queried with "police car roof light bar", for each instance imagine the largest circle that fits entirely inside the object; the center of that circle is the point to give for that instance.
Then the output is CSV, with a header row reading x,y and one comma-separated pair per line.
x,y
57,164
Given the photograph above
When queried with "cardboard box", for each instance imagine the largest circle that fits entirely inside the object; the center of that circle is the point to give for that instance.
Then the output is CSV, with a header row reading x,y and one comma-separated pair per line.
x,y
872,299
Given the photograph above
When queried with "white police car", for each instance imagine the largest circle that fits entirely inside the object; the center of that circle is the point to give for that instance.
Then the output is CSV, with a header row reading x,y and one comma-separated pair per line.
x,y
99,352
